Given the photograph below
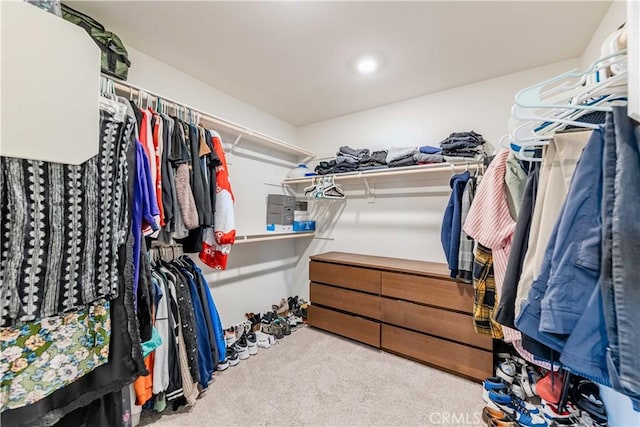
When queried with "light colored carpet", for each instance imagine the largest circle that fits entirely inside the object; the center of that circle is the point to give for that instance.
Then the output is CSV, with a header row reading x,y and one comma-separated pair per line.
x,y
318,379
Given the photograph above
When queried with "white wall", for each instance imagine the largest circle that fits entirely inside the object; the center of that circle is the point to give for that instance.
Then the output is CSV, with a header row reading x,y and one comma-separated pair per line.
x,y
259,273
615,16
482,106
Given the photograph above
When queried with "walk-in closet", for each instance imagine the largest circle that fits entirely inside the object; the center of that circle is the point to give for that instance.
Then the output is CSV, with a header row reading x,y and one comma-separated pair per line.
x,y
318,213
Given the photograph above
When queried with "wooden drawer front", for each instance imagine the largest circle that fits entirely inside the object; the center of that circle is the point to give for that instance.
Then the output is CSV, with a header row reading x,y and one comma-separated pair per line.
x,y
354,302
360,279
427,290
353,327
443,323
468,361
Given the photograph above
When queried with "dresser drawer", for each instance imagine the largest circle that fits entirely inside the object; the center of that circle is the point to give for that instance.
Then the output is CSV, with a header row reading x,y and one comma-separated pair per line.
x,y
446,324
353,327
427,290
343,299
467,361
360,279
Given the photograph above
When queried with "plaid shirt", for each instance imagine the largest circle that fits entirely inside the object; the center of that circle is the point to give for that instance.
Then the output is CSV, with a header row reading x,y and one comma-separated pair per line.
x,y
484,290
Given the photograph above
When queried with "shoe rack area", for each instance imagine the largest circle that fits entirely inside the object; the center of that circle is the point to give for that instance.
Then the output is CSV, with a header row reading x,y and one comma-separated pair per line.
x,y
410,308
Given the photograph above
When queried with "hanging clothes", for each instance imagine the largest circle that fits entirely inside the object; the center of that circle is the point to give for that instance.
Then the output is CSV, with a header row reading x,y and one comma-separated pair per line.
x,y
571,266
465,253
451,225
620,253
505,313
219,239
63,211
559,161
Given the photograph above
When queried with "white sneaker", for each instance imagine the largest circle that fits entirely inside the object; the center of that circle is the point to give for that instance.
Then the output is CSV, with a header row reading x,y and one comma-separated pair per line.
x,y
264,340
507,371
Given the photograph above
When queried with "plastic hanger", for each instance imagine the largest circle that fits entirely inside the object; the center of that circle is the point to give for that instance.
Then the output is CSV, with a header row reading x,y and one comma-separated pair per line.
x,y
534,96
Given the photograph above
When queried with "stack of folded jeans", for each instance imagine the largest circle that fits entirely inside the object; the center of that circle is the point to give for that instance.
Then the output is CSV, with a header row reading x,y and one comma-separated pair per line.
x,y
348,159
463,144
375,160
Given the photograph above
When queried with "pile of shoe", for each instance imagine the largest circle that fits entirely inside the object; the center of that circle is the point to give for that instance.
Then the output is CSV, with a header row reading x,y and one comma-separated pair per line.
x,y
262,330
525,395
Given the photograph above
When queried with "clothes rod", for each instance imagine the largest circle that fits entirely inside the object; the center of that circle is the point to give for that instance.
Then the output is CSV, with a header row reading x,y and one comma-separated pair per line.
x,y
407,170
273,236
131,90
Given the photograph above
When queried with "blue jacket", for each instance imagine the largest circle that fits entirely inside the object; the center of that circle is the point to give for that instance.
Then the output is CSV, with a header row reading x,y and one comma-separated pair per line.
x,y
205,361
218,330
451,223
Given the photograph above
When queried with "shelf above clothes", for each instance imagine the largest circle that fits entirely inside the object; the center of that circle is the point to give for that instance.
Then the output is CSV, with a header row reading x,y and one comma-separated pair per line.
x,y
271,236
217,123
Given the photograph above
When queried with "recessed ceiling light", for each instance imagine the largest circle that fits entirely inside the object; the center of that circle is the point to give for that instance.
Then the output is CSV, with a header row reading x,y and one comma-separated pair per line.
x,y
367,65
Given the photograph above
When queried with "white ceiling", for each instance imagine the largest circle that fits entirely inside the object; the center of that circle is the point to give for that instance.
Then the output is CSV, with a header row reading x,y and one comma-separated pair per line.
x,y
292,59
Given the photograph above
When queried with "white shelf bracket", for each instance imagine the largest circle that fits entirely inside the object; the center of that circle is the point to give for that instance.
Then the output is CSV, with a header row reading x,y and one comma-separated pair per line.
x,y
369,190
235,144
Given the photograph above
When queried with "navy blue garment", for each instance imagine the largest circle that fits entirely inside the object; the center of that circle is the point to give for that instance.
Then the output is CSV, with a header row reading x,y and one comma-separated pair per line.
x,y
452,221
205,362
427,149
218,330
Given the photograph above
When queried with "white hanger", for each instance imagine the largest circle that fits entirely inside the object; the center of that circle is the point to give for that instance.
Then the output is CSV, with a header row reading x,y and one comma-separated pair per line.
x,y
534,96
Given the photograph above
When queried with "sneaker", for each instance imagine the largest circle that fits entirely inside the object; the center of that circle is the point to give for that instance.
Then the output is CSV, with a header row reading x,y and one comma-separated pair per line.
x,y
507,371
502,400
517,409
271,329
528,379
230,336
231,359
560,418
242,348
252,343
264,340
490,414
286,328
492,383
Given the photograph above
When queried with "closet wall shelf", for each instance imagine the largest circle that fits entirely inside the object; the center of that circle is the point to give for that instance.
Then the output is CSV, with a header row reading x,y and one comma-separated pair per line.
x,y
271,236
217,123
391,173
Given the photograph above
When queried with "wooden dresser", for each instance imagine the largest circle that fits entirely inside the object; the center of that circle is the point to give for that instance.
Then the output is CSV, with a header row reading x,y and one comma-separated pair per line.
x,y
410,308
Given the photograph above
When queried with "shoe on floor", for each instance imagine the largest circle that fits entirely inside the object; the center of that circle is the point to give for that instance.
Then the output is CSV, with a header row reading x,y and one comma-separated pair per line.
x,y
507,371
492,383
230,336
586,397
252,343
264,340
231,359
556,417
523,413
490,414
242,348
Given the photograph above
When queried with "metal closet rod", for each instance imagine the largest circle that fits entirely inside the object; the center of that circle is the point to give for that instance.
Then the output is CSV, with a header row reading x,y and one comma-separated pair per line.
x,y
130,89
